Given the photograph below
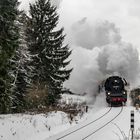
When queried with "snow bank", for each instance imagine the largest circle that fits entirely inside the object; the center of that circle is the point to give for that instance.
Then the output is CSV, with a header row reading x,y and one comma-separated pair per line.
x,y
71,99
28,127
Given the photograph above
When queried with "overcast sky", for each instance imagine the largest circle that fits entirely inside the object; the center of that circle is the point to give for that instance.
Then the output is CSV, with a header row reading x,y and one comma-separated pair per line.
x,y
25,3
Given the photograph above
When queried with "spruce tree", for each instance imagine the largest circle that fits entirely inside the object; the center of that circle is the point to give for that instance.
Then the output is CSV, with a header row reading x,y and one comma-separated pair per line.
x,y
8,43
49,55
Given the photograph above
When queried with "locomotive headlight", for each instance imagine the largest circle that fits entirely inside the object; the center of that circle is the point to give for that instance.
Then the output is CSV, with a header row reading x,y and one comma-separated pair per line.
x,y
108,93
124,92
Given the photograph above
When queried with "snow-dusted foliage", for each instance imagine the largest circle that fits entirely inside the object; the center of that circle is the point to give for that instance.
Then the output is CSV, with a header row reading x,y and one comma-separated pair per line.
x,y
21,71
9,41
46,47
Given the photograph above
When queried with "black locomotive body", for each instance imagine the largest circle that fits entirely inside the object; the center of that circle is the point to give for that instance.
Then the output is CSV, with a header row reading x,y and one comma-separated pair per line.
x,y
115,90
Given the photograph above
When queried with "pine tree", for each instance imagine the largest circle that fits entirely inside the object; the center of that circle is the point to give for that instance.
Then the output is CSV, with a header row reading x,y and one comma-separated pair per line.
x,y
8,43
49,54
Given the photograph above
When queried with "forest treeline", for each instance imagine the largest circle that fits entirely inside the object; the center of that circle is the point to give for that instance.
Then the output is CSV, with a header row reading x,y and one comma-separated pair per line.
x,y
33,56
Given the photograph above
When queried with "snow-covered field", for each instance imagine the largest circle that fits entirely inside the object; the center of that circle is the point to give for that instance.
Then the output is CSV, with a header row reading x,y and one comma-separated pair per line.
x,y
28,127
57,124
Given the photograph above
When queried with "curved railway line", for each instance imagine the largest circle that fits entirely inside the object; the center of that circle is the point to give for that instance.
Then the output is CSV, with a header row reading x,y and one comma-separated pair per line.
x,y
103,125
85,125
88,124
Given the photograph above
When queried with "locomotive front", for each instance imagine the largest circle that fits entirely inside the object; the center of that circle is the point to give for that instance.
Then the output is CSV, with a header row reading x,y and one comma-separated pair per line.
x,y
115,90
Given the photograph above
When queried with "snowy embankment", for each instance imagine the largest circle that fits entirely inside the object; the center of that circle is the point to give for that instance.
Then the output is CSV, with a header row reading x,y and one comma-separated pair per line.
x,y
28,127
38,126
41,127
56,124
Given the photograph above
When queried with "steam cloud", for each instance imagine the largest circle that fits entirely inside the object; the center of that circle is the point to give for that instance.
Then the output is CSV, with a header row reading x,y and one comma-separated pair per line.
x,y
99,52
90,36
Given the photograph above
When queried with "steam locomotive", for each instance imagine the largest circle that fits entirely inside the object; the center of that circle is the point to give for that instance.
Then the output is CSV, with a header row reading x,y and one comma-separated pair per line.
x,y
115,90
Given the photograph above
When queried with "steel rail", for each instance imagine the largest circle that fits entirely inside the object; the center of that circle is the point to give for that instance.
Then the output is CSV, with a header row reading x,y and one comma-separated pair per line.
x,y
84,125
103,125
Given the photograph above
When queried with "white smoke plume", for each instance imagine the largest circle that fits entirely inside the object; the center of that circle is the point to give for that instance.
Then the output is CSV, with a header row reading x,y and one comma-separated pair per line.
x,y
90,36
98,52
121,59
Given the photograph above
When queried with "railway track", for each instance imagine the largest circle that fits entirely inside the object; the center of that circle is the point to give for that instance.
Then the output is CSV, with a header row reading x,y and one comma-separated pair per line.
x,y
85,138
88,130
84,125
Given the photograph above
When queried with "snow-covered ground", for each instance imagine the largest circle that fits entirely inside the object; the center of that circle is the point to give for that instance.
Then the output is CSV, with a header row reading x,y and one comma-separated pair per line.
x,y
57,124
71,99
118,129
28,127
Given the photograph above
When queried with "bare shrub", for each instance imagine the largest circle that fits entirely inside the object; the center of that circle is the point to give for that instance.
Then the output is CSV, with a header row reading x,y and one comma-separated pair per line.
x,y
135,96
36,96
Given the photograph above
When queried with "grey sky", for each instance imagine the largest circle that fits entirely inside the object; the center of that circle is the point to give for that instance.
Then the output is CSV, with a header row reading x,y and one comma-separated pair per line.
x,y
25,3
